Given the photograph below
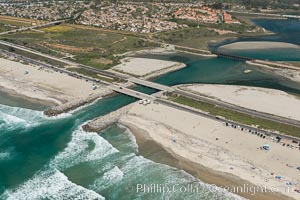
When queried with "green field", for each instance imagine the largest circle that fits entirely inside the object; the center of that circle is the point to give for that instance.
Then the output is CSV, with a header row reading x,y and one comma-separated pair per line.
x,y
236,116
203,35
86,45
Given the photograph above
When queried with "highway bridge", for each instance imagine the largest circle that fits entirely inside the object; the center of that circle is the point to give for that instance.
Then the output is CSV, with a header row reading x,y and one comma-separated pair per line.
x,y
155,86
130,92
222,104
27,28
233,57
150,84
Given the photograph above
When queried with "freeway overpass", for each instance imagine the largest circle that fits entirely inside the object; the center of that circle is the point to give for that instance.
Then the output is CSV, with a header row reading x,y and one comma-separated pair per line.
x,y
151,84
157,86
27,28
130,92
222,104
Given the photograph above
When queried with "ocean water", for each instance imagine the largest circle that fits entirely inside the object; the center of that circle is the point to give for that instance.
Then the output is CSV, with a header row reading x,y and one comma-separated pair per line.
x,y
42,158
53,158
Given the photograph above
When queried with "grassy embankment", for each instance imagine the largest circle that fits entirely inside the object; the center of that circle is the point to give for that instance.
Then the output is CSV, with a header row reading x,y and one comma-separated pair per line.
x,y
236,116
93,47
86,45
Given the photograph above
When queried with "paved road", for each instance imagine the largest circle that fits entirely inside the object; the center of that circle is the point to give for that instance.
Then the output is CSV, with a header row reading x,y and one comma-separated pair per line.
x,y
61,60
130,92
57,69
32,27
183,93
151,84
246,128
240,109
265,14
229,106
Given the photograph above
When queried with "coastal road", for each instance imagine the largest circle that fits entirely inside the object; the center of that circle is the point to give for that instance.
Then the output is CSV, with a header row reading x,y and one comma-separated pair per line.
x,y
151,84
27,28
249,129
221,104
265,14
132,93
239,109
61,60
250,112
57,69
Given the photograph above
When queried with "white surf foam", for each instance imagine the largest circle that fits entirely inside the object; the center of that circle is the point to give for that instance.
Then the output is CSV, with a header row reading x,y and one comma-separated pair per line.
x,y
138,167
52,185
83,147
109,178
13,117
5,155
60,116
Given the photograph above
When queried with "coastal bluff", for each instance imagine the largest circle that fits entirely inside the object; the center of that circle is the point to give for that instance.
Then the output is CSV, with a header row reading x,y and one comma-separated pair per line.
x,y
72,105
107,120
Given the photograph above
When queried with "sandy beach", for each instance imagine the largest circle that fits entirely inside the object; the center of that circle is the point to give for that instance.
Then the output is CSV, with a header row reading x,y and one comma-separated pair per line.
x,y
285,70
258,45
42,84
146,67
271,101
229,152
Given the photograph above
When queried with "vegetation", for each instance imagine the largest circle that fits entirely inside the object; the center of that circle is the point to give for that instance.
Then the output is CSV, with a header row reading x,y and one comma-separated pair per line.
x,y
32,56
86,45
92,74
236,116
191,37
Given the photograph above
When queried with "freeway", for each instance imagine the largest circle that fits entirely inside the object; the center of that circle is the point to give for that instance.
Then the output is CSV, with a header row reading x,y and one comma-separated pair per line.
x,y
151,84
247,128
266,14
250,112
57,69
222,104
240,109
130,92
61,60
26,28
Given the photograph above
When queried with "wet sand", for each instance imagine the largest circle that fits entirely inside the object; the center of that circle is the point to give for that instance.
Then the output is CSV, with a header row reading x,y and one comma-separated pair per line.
x,y
158,153
11,98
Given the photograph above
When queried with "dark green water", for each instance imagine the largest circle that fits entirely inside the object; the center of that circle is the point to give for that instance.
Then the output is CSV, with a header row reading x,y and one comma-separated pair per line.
x,y
54,159
42,158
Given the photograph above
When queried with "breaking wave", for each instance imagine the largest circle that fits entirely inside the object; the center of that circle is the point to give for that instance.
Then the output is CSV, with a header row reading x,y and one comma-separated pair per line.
x,y
15,117
108,179
83,147
52,185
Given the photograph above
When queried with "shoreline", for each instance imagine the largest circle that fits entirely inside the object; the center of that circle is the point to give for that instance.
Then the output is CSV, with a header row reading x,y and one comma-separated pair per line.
x,y
290,72
224,153
149,148
62,92
27,102
260,45
146,67
223,148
